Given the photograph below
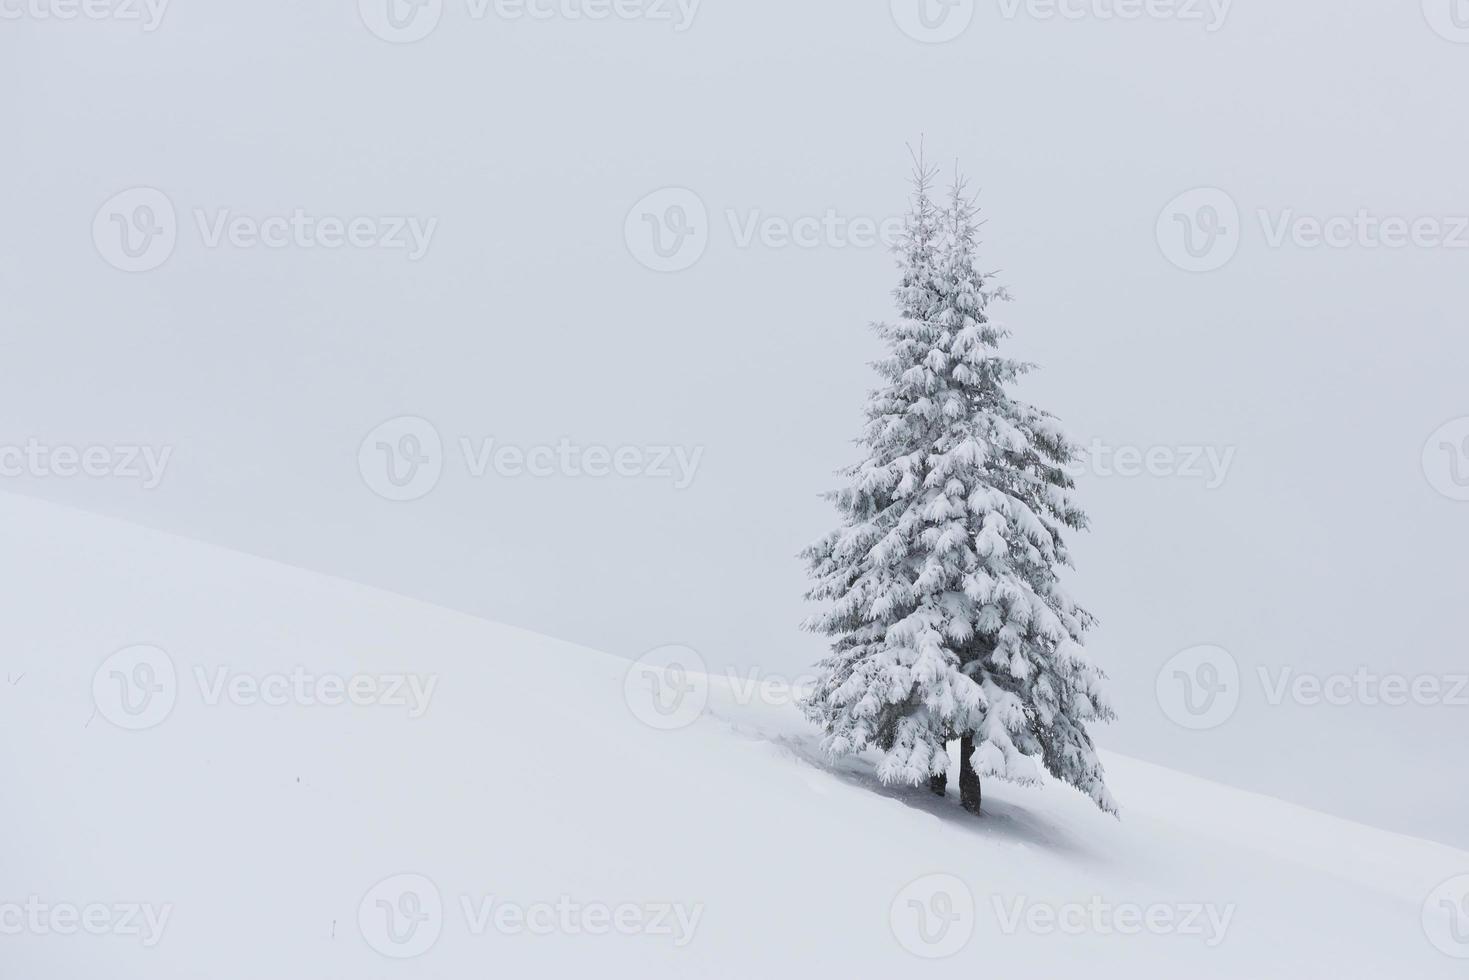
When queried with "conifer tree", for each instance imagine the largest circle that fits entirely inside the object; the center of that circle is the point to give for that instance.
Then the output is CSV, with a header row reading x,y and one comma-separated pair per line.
x,y
946,614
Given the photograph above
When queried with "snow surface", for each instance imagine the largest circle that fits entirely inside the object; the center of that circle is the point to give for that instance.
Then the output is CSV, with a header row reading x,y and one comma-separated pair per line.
x,y
264,829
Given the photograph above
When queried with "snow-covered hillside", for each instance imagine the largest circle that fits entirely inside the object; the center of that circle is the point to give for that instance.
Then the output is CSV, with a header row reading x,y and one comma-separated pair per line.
x,y
494,806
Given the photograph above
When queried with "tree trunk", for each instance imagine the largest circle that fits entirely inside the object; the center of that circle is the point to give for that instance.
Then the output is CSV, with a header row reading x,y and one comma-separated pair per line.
x,y
968,778
938,783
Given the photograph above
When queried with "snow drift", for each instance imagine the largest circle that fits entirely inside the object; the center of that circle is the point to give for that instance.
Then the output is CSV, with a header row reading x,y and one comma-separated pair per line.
x,y
218,766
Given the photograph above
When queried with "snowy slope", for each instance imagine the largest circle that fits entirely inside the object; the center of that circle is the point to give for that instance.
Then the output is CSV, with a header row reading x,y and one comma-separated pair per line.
x,y
262,831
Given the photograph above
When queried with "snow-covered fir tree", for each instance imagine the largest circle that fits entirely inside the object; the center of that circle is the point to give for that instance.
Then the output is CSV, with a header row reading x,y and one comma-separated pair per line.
x,y
946,615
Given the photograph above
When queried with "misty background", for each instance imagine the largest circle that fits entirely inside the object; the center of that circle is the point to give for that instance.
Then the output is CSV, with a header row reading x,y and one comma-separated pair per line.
x,y
529,319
